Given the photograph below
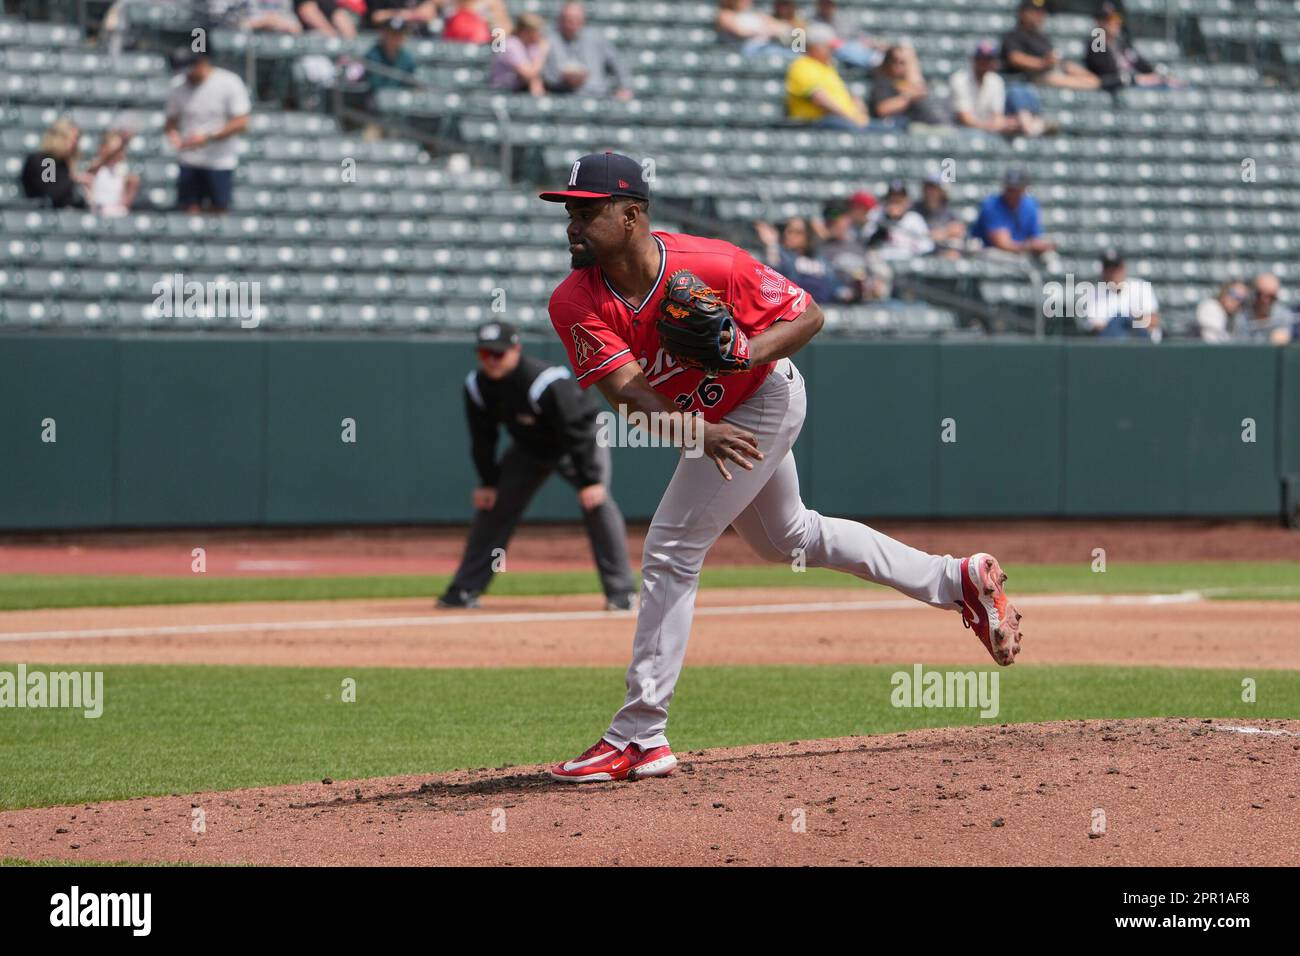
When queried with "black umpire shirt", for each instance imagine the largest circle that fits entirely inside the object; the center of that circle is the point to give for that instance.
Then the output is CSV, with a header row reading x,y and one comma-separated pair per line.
x,y
544,410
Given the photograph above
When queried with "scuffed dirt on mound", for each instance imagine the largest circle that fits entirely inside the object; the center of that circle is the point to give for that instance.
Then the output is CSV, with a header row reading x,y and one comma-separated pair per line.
x,y
1172,791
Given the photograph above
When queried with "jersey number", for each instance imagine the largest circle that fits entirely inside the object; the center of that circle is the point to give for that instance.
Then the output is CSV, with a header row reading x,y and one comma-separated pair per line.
x,y
708,391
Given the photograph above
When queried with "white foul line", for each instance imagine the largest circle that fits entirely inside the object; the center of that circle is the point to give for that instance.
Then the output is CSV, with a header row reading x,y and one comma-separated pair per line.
x,y
1257,730
533,617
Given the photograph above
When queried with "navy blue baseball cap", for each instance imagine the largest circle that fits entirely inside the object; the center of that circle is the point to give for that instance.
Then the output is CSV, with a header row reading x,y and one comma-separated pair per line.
x,y
602,175
184,57
1016,176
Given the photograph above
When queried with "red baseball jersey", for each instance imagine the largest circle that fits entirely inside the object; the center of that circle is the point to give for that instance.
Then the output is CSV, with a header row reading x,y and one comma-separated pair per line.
x,y
603,332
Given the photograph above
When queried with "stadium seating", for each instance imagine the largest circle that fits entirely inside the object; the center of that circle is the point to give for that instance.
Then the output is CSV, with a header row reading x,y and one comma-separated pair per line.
x,y
418,243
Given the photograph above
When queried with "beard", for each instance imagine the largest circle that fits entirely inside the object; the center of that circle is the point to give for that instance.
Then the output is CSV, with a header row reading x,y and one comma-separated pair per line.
x,y
581,259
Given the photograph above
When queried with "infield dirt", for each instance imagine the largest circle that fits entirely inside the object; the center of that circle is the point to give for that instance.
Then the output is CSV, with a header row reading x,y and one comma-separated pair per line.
x,y
732,626
1171,791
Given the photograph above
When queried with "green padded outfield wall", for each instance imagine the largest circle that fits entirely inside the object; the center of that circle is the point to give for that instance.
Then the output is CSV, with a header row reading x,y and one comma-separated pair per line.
x,y
69,482
1289,410
1161,431
159,430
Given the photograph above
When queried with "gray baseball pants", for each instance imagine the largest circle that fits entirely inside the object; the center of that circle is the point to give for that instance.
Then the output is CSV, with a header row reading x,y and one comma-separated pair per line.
x,y
766,510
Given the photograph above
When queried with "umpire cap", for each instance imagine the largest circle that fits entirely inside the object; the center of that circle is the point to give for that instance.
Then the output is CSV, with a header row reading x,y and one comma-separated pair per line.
x,y
602,175
497,337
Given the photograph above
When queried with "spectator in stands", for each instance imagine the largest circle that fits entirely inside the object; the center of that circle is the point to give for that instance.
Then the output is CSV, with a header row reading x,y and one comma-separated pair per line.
x,y
207,110
333,18
861,204
476,21
895,230
946,227
979,98
786,13
1009,220
390,54
1028,53
51,172
840,243
465,24
1120,307
814,90
1113,57
1267,320
113,187
793,253
583,60
853,48
1216,316
418,14
899,94
738,24
270,16
522,59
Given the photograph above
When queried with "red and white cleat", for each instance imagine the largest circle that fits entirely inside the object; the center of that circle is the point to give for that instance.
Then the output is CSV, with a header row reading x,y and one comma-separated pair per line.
x,y
605,762
986,610
655,762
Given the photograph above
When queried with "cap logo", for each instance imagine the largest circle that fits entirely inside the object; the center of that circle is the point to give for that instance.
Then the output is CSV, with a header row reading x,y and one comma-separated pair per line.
x,y
622,184
490,331
573,175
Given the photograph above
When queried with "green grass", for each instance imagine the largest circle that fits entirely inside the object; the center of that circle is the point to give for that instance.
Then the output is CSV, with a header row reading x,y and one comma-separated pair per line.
x,y
18,861
1265,580
185,729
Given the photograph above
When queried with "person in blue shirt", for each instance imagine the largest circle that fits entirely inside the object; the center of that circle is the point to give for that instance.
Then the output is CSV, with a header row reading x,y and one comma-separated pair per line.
x,y
1009,220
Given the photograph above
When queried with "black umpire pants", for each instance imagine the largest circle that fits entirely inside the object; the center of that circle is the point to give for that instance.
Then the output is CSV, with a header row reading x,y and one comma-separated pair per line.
x,y
521,475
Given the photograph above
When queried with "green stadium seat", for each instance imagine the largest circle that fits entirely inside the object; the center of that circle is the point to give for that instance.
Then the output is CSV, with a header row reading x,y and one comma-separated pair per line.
x,y
412,235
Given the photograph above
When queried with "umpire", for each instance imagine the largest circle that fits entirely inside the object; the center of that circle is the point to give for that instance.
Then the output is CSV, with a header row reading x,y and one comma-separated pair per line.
x,y
553,424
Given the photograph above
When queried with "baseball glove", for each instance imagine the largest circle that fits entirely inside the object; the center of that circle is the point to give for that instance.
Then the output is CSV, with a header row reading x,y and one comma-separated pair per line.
x,y
698,329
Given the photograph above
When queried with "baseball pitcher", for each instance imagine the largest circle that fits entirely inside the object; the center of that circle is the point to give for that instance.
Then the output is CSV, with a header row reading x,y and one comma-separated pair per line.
x,y
674,325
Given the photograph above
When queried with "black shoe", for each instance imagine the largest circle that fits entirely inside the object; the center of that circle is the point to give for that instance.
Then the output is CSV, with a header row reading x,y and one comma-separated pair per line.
x,y
457,598
620,602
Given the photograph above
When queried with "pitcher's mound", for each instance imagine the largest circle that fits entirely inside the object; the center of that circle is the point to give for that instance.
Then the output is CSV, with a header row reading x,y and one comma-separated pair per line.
x,y
1140,792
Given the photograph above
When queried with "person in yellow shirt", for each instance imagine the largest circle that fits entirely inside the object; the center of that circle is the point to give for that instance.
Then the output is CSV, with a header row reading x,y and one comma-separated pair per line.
x,y
815,93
